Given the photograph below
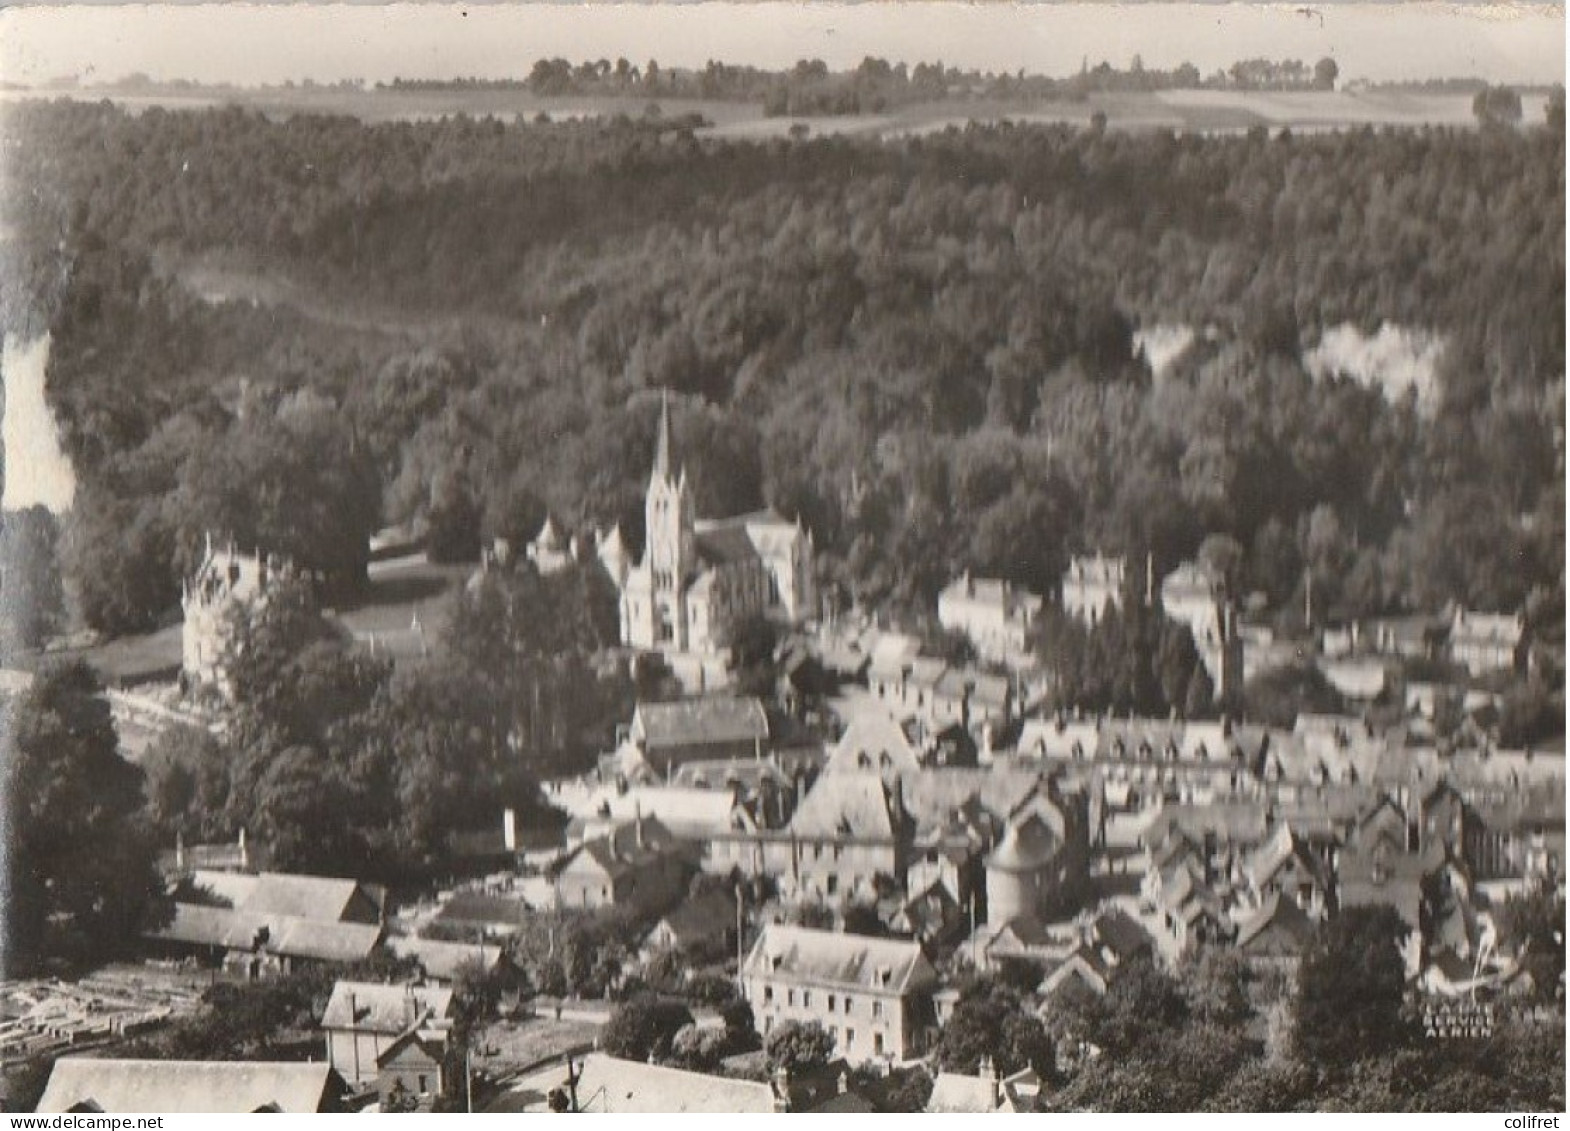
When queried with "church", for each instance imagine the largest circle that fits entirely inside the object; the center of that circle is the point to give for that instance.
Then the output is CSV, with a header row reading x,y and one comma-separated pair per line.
x,y
698,578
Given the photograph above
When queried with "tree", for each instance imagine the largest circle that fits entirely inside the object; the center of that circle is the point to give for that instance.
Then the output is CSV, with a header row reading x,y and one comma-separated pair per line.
x,y
1351,987
80,877
798,1046
741,1028
1215,984
1276,697
30,589
1533,923
991,1023
644,1027
1497,106
1325,74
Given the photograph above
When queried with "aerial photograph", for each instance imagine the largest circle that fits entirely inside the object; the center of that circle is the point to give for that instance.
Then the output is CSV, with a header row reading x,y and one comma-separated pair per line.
x,y
816,557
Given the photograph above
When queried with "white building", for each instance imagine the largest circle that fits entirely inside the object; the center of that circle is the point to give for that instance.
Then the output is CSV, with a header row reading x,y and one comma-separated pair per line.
x,y
994,615
1090,584
228,586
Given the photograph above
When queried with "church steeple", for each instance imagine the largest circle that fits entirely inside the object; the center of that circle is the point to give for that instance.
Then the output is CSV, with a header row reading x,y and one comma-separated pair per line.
x,y
662,443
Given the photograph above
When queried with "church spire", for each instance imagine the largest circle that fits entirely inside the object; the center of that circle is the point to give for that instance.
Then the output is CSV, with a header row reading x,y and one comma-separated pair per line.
x,y
662,445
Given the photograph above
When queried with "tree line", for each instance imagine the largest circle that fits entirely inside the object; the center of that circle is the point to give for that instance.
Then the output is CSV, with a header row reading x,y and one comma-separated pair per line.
x,y
930,349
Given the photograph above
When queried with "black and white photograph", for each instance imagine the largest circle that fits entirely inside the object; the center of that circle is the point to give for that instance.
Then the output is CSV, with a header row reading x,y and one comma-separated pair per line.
x,y
841,558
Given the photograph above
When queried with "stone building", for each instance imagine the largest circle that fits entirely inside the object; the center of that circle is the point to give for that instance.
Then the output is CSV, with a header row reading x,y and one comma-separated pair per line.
x,y
228,586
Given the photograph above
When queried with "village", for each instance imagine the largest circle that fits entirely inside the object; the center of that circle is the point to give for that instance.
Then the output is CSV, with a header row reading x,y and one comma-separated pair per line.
x,y
902,867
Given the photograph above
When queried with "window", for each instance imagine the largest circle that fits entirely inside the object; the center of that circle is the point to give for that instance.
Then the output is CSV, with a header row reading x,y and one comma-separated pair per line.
x,y
831,1003
850,1039
768,995
790,997
847,1006
834,884
877,1009
877,1044
806,999
424,1085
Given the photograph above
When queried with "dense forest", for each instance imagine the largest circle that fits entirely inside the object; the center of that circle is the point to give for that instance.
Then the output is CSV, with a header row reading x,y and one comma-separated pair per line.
x,y
929,348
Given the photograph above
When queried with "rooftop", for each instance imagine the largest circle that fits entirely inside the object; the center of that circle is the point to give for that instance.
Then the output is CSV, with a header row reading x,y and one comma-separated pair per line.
x,y
697,722
828,958
378,1007
185,1086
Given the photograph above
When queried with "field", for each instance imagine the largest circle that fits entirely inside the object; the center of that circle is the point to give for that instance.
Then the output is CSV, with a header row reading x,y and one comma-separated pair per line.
x,y
1207,111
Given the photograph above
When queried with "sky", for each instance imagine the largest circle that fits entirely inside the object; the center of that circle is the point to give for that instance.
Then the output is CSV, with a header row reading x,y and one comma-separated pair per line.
x,y
256,44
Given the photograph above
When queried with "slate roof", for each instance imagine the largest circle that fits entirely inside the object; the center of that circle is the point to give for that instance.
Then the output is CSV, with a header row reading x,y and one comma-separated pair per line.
x,y
381,1008
875,736
283,893
848,807
1028,845
1285,915
186,1086
444,960
700,722
285,935
828,958
698,920
722,544
480,908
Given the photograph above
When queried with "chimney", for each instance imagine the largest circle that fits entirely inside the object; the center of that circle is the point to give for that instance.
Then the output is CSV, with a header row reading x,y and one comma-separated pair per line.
x,y
637,824
245,853
179,852
510,829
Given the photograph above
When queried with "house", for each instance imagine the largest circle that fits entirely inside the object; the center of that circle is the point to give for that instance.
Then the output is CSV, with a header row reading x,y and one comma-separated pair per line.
x,y
549,551
1485,642
873,995
634,863
704,925
417,1068
1285,867
849,835
993,615
1413,637
364,1019
986,1093
197,1087
1276,933
702,729
482,915
446,961
1090,585
697,580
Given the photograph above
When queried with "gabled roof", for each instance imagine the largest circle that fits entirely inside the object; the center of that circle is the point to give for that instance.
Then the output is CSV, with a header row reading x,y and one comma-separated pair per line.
x,y
851,806
376,1007
878,739
954,1093
444,960
700,722
479,907
697,920
626,1087
186,1086
281,893
198,925
1283,846
1282,915
829,958
430,1043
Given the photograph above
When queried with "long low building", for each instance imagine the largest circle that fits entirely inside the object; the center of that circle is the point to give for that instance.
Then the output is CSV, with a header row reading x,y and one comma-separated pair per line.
x,y
196,1087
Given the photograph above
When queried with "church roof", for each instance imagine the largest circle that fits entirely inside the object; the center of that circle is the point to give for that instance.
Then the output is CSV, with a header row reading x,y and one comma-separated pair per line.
x,y
723,544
